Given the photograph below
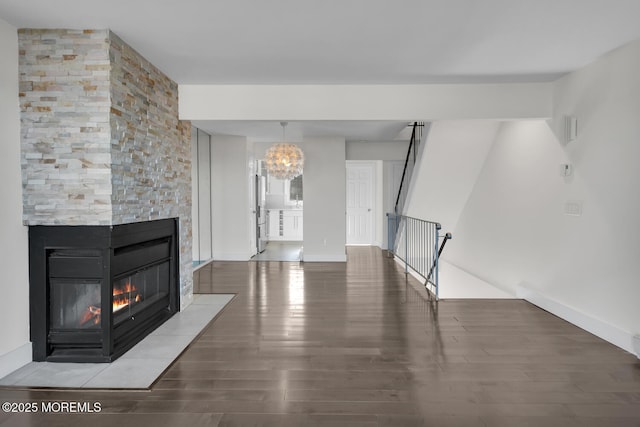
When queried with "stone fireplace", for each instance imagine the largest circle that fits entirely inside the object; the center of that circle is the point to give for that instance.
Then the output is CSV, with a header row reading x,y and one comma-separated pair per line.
x,y
106,166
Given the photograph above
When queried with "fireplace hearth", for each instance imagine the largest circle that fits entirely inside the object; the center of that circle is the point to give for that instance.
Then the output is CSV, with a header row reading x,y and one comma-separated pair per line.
x,y
96,291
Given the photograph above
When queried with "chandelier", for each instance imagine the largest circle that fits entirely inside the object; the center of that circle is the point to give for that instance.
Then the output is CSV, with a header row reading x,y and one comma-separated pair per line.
x,y
284,161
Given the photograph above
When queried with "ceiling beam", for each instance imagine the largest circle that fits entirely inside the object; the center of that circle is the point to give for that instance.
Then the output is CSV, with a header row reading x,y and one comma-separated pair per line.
x,y
366,102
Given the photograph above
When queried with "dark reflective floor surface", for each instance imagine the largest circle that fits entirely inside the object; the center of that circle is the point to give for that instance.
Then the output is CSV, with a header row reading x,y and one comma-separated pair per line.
x,y
356,344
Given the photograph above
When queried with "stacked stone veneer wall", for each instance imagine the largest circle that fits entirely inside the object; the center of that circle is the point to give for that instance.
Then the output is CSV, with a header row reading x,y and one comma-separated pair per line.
x,y
66,150
101,139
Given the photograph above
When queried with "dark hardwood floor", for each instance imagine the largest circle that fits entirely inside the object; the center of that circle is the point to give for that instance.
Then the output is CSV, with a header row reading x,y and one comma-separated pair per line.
x,y
359,345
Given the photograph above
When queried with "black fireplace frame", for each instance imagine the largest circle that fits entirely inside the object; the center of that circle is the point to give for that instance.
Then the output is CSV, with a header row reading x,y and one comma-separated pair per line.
x,y
98,253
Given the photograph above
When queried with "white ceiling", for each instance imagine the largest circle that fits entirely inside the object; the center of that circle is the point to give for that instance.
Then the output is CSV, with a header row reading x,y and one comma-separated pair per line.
x,y
350,41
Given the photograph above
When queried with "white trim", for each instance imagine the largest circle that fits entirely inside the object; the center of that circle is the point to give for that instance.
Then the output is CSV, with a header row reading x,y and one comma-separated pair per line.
x,y
15,359
325,258
231,256
597,327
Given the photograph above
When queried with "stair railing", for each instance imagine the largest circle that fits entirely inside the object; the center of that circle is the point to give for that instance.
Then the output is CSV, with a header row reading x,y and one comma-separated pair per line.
x,y
415,242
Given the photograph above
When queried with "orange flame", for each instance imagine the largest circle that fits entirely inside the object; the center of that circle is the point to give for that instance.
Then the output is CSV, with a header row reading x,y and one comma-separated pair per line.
x,y
122,297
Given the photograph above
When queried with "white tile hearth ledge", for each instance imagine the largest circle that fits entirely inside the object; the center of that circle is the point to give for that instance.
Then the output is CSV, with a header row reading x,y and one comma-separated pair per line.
x,y
136,369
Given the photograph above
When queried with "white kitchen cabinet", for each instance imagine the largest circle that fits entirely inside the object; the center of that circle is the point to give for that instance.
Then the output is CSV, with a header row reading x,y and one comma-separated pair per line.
x,y
292,225
274,230
285,224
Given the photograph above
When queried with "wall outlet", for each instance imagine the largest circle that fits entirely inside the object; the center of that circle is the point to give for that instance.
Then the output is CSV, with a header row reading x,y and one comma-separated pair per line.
x,y
573,208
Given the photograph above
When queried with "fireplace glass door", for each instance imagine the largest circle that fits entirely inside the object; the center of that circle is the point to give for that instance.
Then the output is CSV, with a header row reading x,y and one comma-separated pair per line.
x,y
75,304
135,292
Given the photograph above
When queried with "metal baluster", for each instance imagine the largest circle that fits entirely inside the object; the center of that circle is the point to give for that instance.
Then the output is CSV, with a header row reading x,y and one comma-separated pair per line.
x,y
437,261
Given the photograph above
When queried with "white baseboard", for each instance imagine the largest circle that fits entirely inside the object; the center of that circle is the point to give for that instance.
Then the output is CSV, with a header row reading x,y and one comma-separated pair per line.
x,y
324,258
15,359
597,327
231,256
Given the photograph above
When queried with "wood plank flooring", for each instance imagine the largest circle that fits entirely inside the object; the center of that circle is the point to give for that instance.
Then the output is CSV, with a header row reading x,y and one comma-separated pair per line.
x,y
359,345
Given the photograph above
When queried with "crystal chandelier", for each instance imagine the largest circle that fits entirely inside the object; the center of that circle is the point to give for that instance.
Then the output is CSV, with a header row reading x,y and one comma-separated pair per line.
x,y
284,161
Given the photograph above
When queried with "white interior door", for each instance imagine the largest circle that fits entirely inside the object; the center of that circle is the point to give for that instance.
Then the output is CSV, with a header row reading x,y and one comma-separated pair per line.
x,y
253,206
360,204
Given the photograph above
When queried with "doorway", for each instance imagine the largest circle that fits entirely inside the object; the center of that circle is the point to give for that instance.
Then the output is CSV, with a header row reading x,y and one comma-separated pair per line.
x,y
360,202
279,211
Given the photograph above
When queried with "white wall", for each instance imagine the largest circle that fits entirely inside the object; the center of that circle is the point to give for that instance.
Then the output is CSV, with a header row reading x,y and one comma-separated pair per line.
x,y
505,233
377,150
365,102
230,189
513,231
452,158
325,193
15,349
605,97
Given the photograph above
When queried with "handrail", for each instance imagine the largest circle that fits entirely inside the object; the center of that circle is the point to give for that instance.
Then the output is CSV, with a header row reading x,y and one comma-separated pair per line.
x,y
406,162
444,241
415,241
414,142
